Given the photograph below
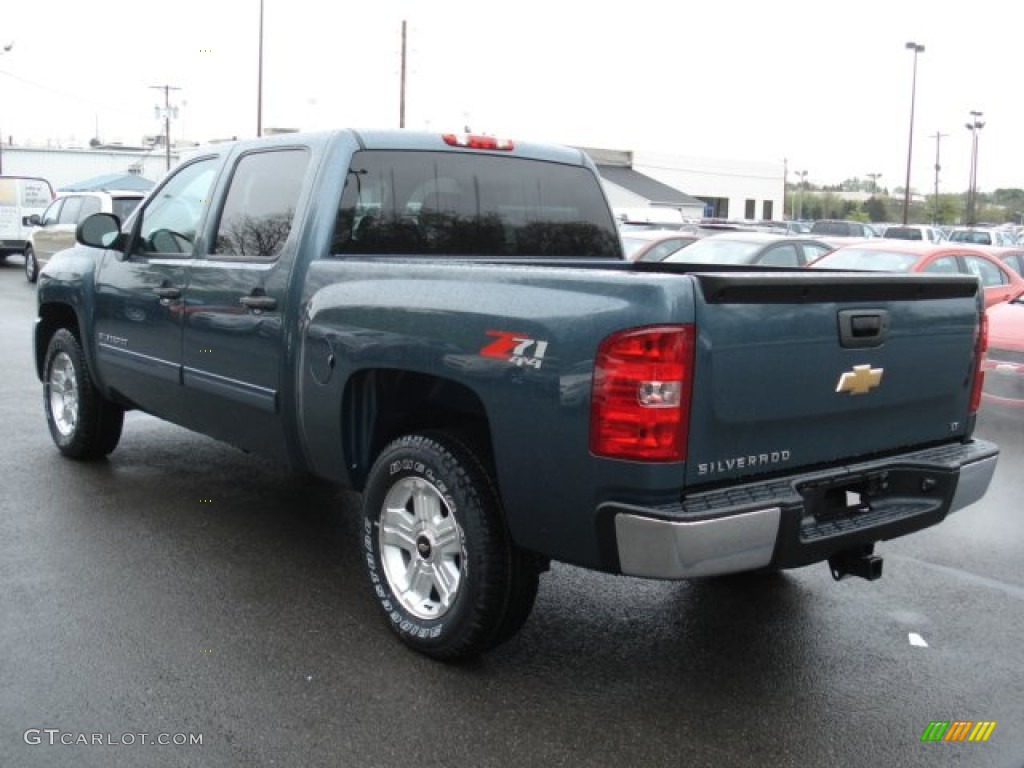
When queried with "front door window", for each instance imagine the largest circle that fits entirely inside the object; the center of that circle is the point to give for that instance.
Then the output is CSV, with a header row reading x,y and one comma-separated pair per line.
x,y
171,219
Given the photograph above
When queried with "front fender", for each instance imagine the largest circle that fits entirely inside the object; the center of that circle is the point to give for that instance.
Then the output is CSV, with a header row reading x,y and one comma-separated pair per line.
x,y
65,298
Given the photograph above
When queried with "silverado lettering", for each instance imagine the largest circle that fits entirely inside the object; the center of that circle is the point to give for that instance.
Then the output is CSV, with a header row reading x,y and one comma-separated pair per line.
x,y
743,462
339,302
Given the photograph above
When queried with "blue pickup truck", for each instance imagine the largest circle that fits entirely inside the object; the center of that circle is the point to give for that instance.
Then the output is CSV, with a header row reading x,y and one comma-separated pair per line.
x,y
446,324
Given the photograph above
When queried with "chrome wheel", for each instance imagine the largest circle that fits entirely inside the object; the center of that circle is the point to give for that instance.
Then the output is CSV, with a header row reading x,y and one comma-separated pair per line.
x,y
421,548
82,423
63,392
31,265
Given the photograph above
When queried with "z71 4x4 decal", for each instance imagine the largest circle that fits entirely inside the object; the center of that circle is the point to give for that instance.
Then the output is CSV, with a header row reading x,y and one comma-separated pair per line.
x,y
516,348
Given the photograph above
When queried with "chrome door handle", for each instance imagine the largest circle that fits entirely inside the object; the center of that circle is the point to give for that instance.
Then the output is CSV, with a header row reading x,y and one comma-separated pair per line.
x,y
259,302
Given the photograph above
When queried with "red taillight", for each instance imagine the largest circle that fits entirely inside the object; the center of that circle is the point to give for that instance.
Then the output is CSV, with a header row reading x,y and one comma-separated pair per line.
x,y
979,361
473,141
640,405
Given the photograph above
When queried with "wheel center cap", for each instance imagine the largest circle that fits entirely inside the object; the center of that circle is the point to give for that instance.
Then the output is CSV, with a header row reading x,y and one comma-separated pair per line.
x,y
424,547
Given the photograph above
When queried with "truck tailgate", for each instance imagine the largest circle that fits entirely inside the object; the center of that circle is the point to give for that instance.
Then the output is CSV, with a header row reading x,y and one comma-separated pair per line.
x,y
796,370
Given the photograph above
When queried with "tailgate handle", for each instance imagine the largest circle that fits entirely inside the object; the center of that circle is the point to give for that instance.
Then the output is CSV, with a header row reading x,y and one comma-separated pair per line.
x,y
860,328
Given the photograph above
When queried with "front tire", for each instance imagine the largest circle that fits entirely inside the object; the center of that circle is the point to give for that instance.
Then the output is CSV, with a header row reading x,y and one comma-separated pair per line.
x,y
441,563
31,264
83,424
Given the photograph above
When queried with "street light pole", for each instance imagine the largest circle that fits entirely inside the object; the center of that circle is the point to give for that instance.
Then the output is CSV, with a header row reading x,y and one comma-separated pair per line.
x,y
874,182
7,47
916,48
972,183
800,196
401,95
938,167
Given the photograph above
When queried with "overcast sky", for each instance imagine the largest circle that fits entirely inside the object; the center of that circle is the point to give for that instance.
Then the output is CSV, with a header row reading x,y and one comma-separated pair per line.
x,y
826,86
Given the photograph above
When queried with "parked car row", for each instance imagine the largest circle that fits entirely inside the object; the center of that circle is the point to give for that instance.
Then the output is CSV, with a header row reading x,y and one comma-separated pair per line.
x,y
998,269
752,248
1004,363
902,249
1000,282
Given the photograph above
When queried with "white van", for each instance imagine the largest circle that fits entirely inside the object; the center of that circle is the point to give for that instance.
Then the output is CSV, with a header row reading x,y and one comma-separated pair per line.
x,y
20,197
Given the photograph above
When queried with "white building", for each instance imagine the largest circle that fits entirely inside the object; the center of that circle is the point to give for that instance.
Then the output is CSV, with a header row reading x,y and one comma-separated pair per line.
x,y
62,167
702,187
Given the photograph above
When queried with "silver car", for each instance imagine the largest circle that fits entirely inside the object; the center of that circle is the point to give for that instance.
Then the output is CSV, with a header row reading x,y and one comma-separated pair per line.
x,y
982,236
915,232
56,227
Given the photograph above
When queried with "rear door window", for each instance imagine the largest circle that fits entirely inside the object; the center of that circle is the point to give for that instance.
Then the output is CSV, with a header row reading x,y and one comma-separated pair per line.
x,y
989,273
781,256
90,205
260,205
447,204
944,265
69,213
814,251
1016,263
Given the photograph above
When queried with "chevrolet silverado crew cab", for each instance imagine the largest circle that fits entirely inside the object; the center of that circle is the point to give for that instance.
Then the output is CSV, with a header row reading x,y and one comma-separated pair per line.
x,y
446,324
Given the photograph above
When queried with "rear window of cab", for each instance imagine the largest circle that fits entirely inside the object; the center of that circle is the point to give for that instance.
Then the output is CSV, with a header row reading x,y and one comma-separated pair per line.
x,y
451,204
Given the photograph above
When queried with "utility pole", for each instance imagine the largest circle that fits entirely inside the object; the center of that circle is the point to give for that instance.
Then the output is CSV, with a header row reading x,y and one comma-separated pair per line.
x,y
167,116
800,199
401,96
259,80
938,167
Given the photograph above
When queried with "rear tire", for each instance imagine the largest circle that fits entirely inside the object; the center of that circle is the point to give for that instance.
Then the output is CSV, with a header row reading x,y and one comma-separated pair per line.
x,y
522,594
31,264
83,424
440,560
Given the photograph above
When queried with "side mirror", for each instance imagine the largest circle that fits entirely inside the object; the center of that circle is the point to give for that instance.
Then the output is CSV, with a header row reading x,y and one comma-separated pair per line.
x,y
100,230
31,221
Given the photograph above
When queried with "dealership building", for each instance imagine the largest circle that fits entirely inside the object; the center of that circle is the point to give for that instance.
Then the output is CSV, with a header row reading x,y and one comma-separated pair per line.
x,y
698,187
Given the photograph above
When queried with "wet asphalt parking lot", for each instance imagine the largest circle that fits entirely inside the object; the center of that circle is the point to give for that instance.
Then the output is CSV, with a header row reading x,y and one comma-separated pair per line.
x,y
183,589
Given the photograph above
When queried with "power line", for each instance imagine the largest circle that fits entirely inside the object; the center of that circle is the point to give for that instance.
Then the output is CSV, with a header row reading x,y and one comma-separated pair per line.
x,y
66,95
710,173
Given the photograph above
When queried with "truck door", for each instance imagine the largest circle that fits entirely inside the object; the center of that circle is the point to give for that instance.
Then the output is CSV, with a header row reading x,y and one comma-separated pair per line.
x,y
235,307
140,293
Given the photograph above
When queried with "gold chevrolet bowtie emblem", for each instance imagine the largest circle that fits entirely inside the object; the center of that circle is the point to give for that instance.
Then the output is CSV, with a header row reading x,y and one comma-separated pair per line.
x,y
860,380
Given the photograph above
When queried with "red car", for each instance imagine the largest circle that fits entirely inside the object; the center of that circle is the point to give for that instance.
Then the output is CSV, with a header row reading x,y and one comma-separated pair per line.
x,y
1011,255
1004,363
653,244
1000,282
